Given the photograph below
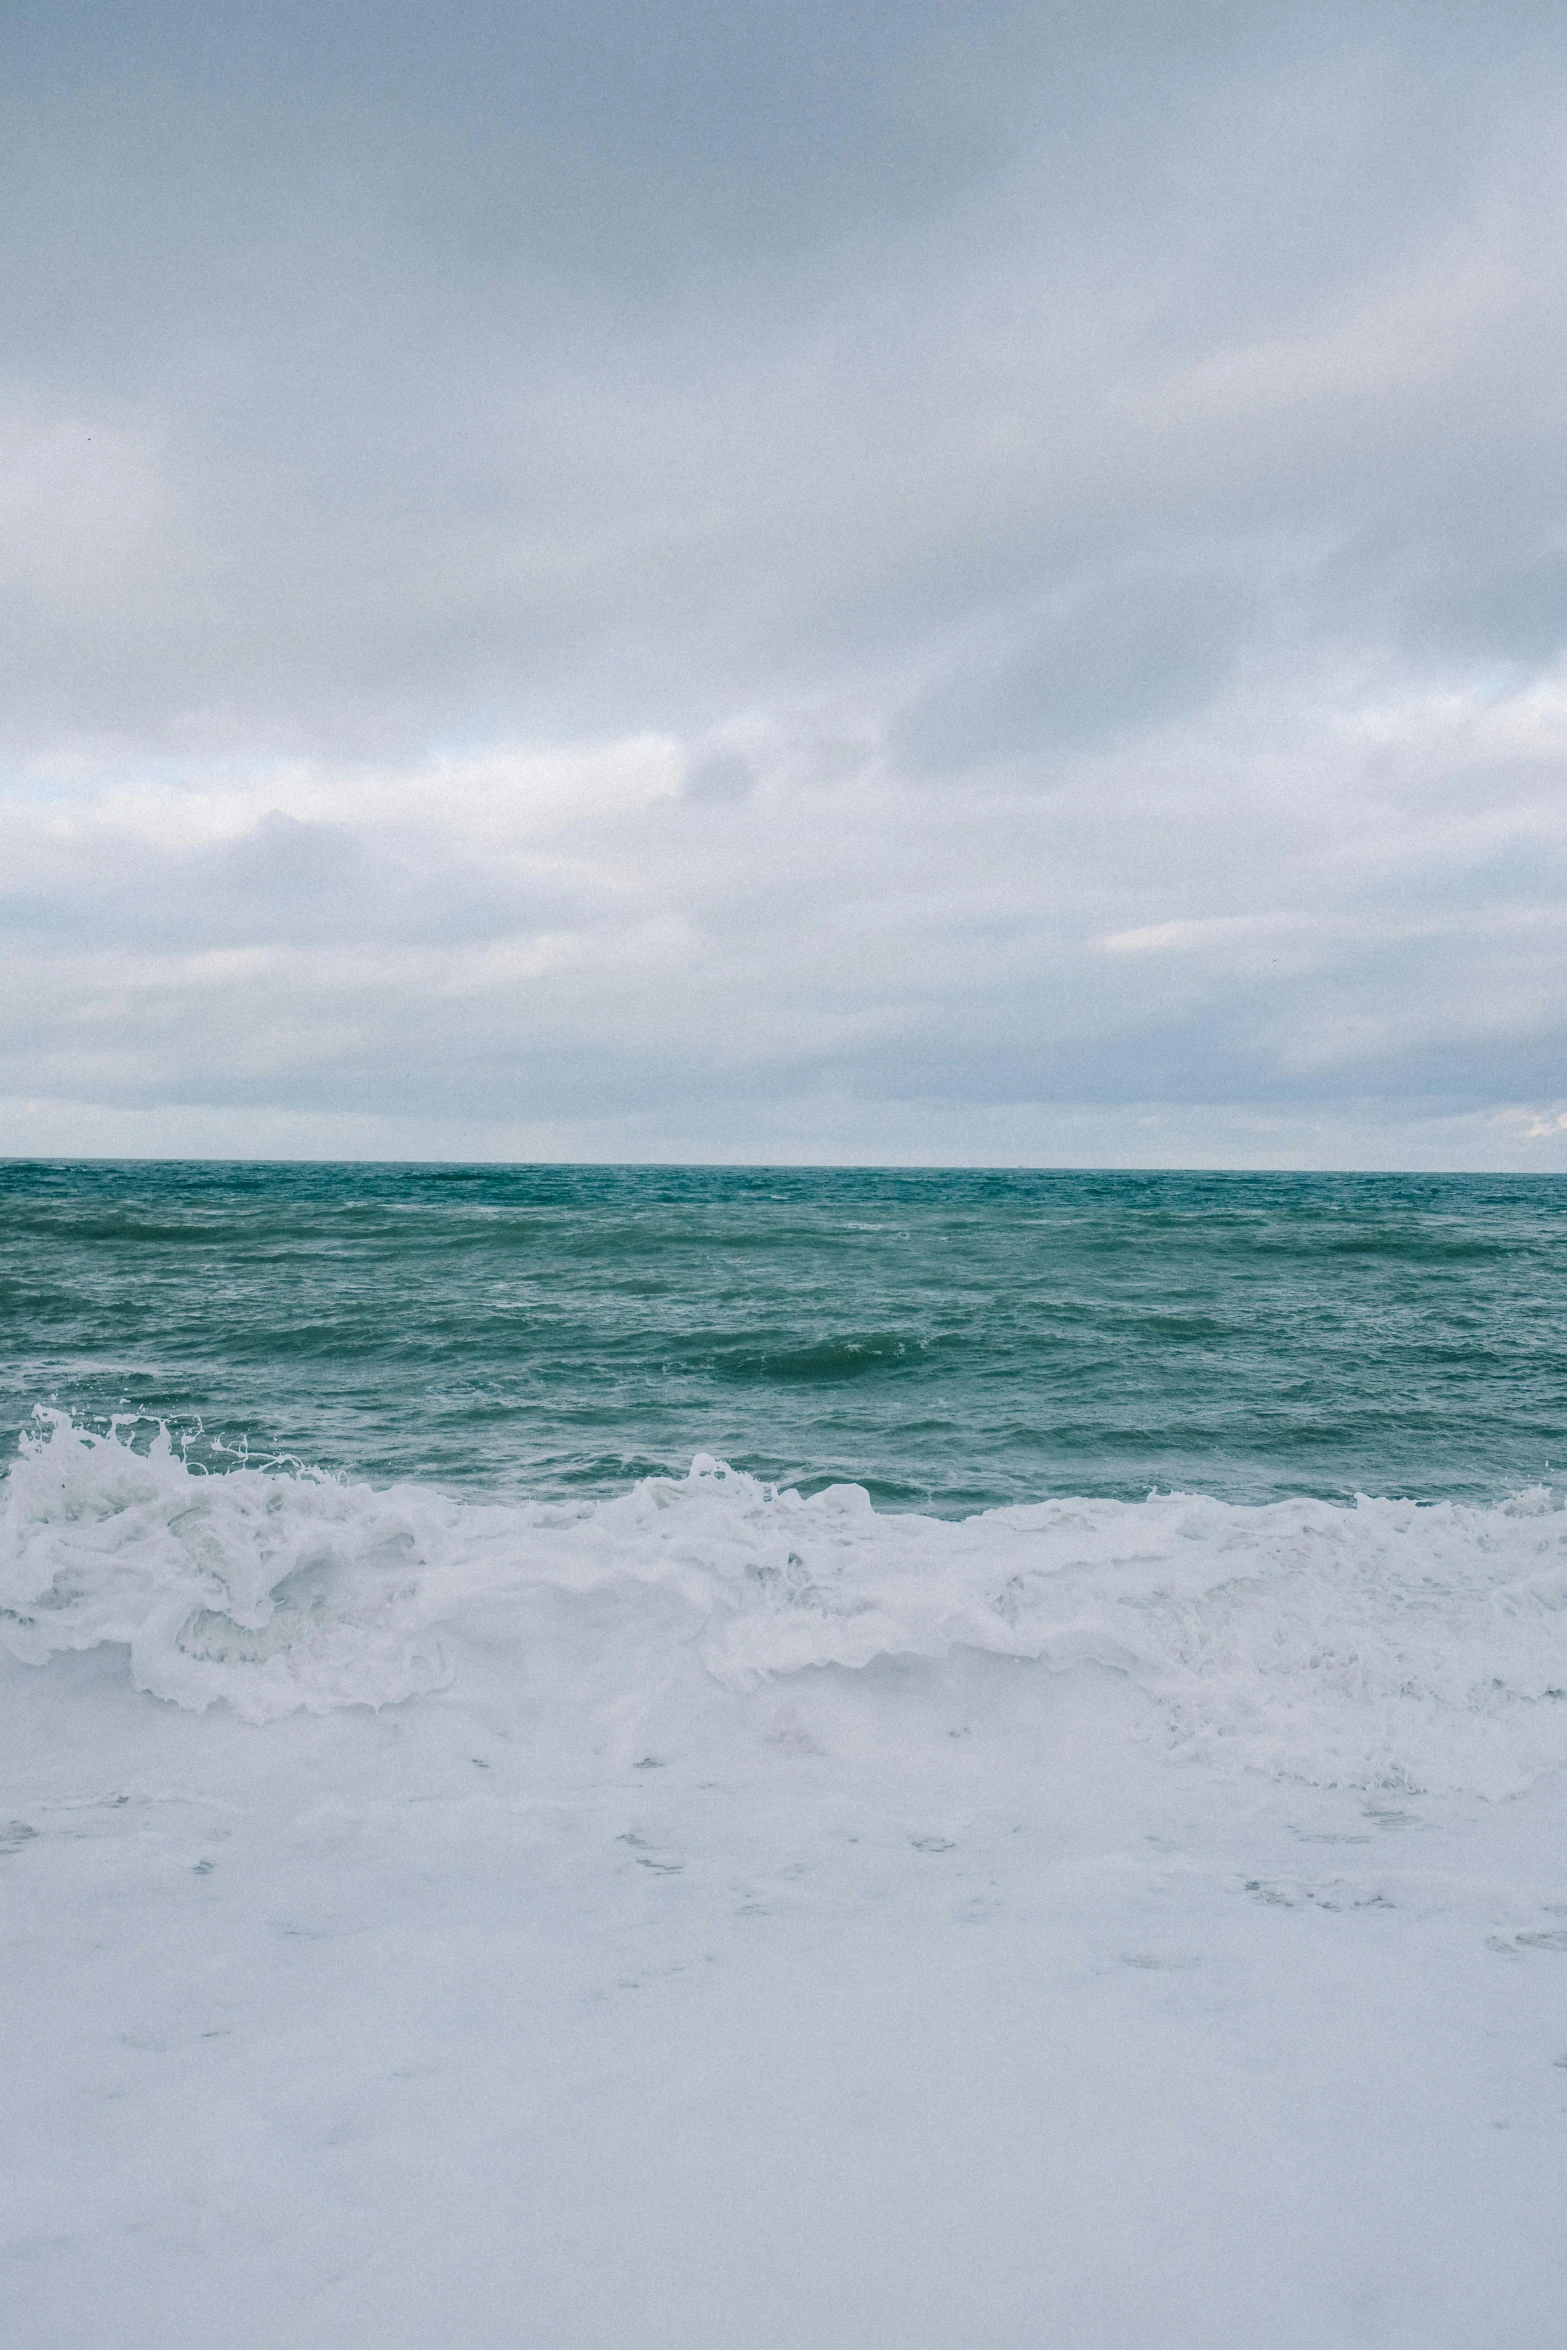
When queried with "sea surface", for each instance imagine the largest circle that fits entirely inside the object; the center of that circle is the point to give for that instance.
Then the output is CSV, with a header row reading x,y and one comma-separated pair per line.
x,y
656,1759
947,1341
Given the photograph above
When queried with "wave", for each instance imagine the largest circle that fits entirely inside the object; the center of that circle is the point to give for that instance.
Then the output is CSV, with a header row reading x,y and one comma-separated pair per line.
x,y
1389,1644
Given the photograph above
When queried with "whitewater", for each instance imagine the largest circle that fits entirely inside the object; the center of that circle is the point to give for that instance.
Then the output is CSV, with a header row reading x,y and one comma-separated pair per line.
x,y
712,1913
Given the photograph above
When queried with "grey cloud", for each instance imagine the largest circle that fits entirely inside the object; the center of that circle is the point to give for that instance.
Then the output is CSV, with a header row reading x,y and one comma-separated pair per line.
x,y
311,883
1160,403
720,777
1116,656
283,883
536,371
228,162
1493,593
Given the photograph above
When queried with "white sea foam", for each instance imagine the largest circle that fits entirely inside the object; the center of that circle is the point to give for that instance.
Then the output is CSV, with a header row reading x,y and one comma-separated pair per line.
x,y
717,1915
1387,1645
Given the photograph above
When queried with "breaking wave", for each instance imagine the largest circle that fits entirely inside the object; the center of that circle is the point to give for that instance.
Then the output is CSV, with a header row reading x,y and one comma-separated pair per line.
x,y
1388,1644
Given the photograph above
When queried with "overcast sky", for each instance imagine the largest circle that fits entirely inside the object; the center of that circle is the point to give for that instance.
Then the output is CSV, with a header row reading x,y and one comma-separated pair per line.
x,y
667,578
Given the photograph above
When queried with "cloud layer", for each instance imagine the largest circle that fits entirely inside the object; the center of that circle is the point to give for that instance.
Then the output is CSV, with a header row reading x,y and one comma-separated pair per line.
x,y
864,583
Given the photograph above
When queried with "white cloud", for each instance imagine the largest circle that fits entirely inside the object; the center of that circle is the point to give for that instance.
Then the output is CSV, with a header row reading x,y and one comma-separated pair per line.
x,y
1221,931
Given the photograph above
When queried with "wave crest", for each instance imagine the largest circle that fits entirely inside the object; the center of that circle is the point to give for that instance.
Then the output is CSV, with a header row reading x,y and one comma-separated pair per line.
x,y
1390,1644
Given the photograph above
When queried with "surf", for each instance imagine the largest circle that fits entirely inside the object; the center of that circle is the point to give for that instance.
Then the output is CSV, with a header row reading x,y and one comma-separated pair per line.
x,y
1384,1644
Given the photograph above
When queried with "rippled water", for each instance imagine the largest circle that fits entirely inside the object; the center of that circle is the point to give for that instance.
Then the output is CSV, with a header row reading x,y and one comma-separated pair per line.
x,y
948,1340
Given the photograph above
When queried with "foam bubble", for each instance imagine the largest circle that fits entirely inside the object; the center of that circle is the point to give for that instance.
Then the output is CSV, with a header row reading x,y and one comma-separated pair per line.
x,y
1385,1645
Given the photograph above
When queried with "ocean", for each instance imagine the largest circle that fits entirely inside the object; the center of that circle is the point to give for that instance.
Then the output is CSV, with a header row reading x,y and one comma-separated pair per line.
x,y
638,1756
947,1341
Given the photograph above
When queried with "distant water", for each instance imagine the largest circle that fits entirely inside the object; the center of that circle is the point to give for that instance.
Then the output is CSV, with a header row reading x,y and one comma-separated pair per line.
x,y
948,1340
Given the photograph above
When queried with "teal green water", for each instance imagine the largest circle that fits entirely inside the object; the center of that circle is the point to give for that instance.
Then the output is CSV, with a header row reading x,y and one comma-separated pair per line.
x,y
948,1340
